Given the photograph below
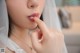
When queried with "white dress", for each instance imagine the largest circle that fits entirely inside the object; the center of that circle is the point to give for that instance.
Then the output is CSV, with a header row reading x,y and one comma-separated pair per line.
x,y
14,47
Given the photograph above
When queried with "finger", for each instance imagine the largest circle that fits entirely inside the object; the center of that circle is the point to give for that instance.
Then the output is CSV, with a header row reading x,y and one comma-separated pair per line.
x,y
41,25
35,41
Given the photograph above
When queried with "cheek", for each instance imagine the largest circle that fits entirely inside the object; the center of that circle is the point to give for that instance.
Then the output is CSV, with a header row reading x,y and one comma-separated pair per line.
x,y
15,9
19,18
16,12
41,5
19,21
23,23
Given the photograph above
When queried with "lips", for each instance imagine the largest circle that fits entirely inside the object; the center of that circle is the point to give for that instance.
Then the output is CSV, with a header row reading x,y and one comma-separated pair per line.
x,y
33,16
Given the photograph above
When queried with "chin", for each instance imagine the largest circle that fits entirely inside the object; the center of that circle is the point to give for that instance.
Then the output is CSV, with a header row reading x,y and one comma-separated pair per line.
x,y
33,26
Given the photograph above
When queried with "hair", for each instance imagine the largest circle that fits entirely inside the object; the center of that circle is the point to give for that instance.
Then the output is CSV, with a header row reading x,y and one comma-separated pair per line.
x,y
9,32
9,29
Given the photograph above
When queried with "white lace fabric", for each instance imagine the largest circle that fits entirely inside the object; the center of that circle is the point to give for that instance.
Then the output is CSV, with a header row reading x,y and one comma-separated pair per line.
x,y
14,47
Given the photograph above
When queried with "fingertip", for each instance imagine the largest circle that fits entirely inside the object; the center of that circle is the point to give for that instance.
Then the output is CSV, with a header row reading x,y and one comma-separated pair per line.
x,y
36,18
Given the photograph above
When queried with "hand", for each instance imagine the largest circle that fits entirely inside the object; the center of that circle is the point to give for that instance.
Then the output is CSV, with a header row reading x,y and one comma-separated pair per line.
x,y
52,40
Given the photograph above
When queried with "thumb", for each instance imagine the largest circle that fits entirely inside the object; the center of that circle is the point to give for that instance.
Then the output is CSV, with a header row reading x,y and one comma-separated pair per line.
x,y
35,41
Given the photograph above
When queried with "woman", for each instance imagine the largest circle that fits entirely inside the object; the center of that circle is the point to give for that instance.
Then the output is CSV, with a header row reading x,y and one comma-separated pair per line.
x,y
27,33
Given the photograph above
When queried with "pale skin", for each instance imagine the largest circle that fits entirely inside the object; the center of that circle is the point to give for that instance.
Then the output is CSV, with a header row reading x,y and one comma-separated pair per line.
x,y
52,40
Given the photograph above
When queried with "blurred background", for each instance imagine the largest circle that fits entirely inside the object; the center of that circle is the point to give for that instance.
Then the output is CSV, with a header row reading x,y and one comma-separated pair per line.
x,y
69,14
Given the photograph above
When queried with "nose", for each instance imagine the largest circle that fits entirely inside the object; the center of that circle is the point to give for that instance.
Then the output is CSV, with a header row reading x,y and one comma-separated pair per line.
x,y
32,4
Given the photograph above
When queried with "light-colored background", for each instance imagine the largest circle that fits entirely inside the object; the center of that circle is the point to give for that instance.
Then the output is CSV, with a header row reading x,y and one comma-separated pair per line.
x,y
72,35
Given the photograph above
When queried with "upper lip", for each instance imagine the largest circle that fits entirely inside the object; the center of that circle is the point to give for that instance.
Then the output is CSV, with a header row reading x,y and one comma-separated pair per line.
x,y
34,15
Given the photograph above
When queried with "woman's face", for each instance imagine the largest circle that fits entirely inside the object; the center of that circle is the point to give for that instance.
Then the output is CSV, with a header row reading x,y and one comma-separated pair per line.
x,y
21,10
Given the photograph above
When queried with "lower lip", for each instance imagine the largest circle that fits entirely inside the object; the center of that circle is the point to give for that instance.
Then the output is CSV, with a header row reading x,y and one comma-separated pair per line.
x,y
31,18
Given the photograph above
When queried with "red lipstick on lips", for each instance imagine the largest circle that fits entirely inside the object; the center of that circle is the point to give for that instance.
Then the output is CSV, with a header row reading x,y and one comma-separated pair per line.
x,y
33,16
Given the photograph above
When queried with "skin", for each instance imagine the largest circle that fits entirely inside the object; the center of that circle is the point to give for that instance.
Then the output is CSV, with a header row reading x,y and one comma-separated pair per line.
x,y
51,41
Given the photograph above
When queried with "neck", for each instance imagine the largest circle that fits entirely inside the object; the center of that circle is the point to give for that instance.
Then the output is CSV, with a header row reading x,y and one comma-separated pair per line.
x,y
19,32
21,37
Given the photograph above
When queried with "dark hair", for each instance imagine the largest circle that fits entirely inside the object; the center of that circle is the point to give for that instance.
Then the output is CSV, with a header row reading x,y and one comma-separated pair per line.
x,y
9,32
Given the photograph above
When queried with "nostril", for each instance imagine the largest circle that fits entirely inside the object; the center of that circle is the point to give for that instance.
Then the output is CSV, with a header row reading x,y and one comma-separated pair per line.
x,y
32,4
